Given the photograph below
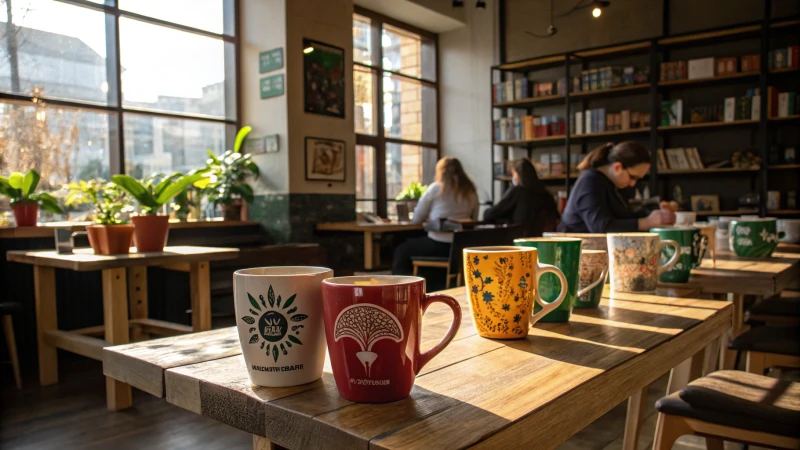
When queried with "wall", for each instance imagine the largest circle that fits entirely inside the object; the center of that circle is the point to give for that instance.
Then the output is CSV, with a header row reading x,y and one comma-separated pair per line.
x,y
465,56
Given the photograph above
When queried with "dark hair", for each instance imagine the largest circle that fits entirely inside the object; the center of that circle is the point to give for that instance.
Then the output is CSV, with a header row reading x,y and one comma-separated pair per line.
x,y
628,153
527,175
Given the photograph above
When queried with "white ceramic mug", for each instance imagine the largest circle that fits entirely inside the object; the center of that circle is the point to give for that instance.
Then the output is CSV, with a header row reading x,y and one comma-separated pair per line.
x,y
791,230
279,317
685,218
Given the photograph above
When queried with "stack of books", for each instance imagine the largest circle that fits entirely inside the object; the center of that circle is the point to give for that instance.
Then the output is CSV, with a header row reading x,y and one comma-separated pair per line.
x,y
784,58
521,88
609,77
743,108
782,104
597,121
528,127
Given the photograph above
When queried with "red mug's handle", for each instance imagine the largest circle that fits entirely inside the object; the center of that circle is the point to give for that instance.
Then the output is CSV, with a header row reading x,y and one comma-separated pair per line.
x,y
423,358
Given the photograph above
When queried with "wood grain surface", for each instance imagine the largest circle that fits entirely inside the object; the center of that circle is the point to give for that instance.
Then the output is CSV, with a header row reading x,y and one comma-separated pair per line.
x,y
84,259
477,392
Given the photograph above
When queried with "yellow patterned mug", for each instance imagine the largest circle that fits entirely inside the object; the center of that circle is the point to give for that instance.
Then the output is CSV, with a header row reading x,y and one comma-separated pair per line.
x,y
501,287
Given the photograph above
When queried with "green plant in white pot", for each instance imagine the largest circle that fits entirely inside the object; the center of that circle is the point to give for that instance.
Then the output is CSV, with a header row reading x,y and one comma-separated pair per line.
x,y
150,229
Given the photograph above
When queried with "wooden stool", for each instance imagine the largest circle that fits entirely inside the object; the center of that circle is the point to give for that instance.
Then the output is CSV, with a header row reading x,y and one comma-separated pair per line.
x,y
774,311
732,406
768,347
6,309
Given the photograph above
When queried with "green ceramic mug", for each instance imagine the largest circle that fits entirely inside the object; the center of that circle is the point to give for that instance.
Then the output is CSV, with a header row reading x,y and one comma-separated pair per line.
x,y
693,245
565,254
754,237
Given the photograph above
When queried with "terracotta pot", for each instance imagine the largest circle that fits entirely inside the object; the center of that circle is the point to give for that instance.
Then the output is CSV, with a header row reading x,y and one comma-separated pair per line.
x,y
150,233
110,239
26,213
232,211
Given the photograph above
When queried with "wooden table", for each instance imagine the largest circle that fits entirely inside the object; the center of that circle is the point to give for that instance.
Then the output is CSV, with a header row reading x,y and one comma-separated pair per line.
x,y
46,230
788,248
533,392
372,249
124,285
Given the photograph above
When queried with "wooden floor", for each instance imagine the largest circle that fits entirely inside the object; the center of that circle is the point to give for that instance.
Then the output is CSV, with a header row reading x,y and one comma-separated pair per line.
x,y
72,414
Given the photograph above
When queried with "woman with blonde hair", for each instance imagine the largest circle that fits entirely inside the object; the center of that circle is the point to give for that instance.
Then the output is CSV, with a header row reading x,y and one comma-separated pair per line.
x,y
451,196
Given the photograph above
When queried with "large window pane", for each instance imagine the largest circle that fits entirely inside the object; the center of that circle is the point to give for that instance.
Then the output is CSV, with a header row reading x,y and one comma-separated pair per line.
x,y
203,14
159,145
169,70
362,41
364,89
407,163
53,50
366,192
408,53
409,110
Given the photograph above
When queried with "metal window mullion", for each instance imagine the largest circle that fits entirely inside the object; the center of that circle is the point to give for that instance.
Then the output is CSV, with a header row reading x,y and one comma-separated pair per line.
x,y
376,27
114,66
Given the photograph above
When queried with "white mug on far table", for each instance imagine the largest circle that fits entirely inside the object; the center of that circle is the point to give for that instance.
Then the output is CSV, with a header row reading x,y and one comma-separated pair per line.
x,y
685,218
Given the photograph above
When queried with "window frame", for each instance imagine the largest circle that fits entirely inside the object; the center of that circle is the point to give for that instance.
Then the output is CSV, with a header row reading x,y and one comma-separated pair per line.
x,y
379,140
115,106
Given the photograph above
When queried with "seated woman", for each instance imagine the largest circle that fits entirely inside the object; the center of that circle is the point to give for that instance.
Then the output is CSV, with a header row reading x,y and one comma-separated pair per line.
x,y
451,196
526,203
596,205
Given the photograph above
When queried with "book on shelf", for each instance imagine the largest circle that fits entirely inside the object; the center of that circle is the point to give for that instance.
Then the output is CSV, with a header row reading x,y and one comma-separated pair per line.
x,y
509,90
662,160
751,63
786,103
726,66
755,108
579,122
625,119
677,159
672,112
521,88
701,68
730,109
694,158
557,166
544,165
593,79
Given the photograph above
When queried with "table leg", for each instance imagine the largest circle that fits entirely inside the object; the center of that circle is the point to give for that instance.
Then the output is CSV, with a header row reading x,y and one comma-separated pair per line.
x,y
633,420
115,319
369,256
137,299
200,287
727,358
711,356
44,285
685,372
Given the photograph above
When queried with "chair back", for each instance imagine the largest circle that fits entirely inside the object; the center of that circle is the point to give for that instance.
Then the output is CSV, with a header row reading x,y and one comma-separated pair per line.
x,y
481,237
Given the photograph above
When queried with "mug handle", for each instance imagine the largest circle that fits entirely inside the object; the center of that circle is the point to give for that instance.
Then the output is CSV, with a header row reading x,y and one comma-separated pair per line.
x,y
588,288
703,247
675,256
542,269
423,358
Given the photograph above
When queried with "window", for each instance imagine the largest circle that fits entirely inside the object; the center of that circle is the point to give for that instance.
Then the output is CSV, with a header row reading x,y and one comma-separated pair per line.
x,y
93,88
396,109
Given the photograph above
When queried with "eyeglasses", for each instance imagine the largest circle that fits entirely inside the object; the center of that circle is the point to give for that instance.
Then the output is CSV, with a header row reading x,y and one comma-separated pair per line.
x,y
633,177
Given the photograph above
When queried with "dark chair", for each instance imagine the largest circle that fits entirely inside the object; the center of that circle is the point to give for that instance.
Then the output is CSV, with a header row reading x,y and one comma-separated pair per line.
x,y
6,310
768,347
783,309
734,406
477,237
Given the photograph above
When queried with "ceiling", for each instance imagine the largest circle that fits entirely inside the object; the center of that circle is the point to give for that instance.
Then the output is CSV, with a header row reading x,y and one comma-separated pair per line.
x,y
437,16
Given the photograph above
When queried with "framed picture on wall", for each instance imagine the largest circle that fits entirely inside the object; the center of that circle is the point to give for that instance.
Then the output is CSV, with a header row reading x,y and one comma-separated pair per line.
x,y
325,159
323,71
705,203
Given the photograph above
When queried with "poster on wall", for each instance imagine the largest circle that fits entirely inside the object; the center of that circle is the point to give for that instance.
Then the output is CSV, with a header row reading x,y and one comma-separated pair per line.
x,y
325,159
323,70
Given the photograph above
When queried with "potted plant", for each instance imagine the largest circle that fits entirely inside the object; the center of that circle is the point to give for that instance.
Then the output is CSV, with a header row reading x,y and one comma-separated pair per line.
x,y
111,233
150,229
412,194
20,189
227,185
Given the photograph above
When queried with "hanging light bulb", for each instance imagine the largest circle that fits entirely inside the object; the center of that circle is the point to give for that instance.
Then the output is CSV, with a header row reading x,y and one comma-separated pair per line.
x,y
596,12
480,4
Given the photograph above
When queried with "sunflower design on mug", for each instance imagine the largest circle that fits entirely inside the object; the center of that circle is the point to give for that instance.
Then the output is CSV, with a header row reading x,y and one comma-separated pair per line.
x,y
271,323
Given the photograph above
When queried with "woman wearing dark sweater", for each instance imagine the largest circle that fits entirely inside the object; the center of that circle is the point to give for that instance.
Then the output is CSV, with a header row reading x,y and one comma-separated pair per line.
x,y
527,203
596,205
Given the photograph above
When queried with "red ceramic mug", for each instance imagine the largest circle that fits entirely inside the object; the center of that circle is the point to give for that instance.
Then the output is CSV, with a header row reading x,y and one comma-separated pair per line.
x,y
372,325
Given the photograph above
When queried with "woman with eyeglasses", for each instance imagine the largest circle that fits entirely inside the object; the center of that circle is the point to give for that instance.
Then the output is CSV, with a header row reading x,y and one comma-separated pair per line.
x,y
596,205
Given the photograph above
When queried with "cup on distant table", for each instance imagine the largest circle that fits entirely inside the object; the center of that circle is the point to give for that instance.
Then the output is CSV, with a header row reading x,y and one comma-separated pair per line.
x,y
693,244
502,285
279,317
790,229
594,271
754,237
685,218
634,261
373,329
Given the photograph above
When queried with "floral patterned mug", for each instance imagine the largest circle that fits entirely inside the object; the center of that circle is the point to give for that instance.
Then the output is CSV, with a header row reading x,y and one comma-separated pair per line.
x,y
501,288
634,260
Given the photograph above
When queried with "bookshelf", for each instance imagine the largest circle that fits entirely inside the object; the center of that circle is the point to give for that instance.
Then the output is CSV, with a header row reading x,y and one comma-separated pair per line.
x,y
733,212
784,212
751,134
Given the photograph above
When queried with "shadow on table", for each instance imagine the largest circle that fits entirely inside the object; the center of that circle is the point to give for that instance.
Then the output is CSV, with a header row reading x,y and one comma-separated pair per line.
x,y
634,317
581,353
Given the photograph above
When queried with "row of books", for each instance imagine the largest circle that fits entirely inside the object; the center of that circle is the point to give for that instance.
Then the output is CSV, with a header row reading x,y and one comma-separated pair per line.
x,y
710,67
783,58
553,165
522,88
609,77
679,159
598,121
528,127
782,104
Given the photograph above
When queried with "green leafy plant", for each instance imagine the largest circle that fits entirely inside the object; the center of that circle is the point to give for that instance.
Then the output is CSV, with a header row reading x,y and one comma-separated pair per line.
x,y
21,188
227,174
111,205
154,192
413,192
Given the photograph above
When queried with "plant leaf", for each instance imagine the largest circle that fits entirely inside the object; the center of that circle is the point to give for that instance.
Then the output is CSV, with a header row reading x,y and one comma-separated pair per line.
x,y
212,156
275,352
249,320
49,203
278,303
178,186
254,168
295,340
254,339
271,296
16,179
240,137
165,182
289,301
30,182
202,183
136,189
253,302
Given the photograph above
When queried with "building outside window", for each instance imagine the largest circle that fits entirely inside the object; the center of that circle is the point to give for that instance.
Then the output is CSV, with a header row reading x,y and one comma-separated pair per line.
x,y
396,109
90,88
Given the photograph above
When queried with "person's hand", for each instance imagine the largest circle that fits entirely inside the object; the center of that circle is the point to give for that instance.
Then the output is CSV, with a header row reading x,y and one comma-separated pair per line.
x,y
667,216
655,219
673,205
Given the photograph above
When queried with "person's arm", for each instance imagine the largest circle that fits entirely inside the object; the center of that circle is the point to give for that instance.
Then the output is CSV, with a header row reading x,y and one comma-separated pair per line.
x,y
504,208
476,207
596,213
423,209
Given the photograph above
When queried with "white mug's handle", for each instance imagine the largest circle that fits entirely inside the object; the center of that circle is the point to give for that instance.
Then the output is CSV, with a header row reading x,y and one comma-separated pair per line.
x,y
675,256
542,269
588,288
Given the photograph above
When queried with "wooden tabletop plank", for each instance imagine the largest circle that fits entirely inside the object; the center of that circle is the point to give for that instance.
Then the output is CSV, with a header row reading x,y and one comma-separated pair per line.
x,y
388,227
85,259
468,386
